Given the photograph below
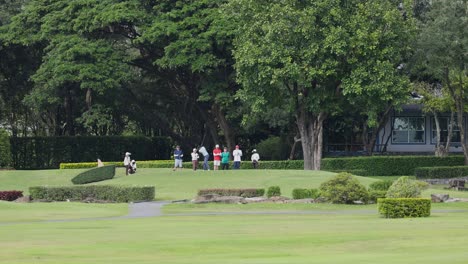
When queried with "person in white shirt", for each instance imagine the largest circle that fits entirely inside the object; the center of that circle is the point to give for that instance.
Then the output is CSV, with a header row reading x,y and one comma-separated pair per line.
x,y
237,154
133,167
127,162
195,159
255,158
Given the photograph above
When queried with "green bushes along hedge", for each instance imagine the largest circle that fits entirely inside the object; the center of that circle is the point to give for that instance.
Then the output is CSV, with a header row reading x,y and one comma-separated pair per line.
x,y
249,192
305,193
404,187
362,166
273,191
380,185
49,152
111,193
389,165
404,207
95,175
441,172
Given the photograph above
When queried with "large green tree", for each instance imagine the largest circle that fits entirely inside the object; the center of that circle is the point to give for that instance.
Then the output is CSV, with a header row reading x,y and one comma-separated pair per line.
x,y
314,55
441,53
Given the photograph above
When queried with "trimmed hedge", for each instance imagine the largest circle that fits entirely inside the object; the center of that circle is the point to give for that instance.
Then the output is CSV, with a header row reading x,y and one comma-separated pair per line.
x,y
404,207
305,193
49,152
95,175
10,195
141,164
444,172
362,166
389,165
249,192
273,191
111,193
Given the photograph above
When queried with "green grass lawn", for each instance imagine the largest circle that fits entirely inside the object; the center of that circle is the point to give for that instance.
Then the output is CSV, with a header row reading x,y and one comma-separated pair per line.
x,y
243,239
351,234
26,212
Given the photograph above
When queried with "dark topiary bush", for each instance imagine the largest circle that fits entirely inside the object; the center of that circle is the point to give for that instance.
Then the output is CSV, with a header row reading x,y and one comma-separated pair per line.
x,y
343,189
250,192
404,207
273,191
382,185
305,193
404,187
273,148
5,150
10,195
111,193
95,175
441,172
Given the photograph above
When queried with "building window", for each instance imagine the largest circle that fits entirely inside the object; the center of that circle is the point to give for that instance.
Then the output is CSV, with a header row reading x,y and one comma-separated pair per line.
x,y
408,130
444,125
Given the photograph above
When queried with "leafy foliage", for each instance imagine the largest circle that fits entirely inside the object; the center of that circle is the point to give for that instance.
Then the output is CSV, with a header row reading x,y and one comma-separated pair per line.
x,y
5,149
404,187
273,191
305,193
10,195
110,193
343,189
381,185
404,207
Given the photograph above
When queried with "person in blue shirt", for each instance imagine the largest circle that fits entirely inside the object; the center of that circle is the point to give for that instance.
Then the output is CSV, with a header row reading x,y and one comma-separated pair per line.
x,y
178,155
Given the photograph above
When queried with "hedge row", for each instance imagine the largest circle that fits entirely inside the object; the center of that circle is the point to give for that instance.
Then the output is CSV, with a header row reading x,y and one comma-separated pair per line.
x,y
404,207
249,192
10,195
441,172
363,166
389,165
95,175
111,193
49,152
299,193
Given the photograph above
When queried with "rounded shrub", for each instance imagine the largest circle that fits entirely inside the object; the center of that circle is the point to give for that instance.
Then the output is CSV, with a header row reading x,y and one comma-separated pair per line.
x,y
343,189
273,191
404,187
273,148
5,149
300,193
382,185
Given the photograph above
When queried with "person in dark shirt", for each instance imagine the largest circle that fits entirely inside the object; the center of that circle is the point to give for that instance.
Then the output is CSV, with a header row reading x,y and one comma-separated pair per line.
x,y
178,155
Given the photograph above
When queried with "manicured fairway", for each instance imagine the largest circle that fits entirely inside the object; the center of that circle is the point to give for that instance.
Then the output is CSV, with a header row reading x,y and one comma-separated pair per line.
x,y
321,238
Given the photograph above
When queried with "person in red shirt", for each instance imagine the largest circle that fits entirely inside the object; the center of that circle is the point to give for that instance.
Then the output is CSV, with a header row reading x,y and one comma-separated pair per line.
x,y
217,157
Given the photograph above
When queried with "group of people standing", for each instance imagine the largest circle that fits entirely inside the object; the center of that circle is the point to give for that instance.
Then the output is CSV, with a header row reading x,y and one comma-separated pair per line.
x,y
220,158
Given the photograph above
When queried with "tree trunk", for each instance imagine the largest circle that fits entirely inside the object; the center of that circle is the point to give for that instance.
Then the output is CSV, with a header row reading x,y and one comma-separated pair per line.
x,y
210,124
68,105
229,134
370,143
311,131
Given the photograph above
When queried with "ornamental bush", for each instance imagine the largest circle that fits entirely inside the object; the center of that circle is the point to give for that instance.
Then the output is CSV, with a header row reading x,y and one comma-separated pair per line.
x,y
95,175
5,150
111,193
299,193
273,191
381,185
343,189
404,187
404,207
10,195
443,172
249,192
374,195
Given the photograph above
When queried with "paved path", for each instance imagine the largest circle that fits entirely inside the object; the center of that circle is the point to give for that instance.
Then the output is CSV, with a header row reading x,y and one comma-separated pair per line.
x,y
154,209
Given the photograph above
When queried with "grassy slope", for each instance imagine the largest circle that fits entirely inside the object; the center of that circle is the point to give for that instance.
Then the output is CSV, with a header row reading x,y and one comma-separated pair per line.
x,y
185,184
325,239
